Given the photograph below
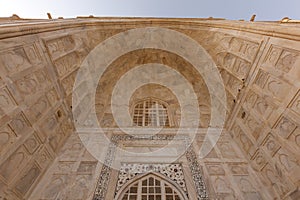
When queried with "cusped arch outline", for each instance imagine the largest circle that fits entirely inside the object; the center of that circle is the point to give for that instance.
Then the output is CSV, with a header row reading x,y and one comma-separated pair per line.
x,y
159,176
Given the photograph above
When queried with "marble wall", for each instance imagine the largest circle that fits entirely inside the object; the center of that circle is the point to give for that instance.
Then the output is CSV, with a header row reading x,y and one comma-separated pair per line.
x,y
256,158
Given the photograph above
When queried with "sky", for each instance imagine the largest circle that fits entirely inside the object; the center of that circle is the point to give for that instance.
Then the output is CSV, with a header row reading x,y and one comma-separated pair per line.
x,y
265,10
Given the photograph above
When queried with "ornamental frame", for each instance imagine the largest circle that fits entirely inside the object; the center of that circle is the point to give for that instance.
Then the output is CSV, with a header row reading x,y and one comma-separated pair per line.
x,y
195,168
129,171
142,186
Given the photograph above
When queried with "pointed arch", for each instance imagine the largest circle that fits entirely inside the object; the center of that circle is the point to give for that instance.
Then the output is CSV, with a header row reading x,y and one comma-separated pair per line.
x,y
150,186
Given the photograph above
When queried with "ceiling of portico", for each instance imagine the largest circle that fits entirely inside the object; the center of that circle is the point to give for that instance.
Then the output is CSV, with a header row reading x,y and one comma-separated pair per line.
x,y
233,57
128,61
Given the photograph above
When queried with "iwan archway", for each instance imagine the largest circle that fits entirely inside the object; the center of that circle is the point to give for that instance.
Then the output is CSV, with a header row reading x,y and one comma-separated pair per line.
x,y
43,155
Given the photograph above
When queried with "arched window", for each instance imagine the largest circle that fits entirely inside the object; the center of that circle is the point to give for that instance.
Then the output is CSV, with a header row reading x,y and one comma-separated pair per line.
x,y
150,112
150,187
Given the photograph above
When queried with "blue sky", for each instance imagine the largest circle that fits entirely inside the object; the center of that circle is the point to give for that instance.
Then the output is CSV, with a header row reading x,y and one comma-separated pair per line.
x,y
229,9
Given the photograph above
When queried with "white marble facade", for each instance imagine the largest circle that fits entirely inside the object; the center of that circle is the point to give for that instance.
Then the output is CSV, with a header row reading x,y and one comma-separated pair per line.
x,y
44,156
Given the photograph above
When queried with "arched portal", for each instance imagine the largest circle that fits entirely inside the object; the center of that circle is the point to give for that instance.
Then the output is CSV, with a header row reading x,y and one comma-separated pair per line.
x,y
151,186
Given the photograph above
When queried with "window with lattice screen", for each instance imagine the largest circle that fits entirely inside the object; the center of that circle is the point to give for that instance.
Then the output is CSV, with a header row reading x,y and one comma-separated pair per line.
x,y
150,113
151,188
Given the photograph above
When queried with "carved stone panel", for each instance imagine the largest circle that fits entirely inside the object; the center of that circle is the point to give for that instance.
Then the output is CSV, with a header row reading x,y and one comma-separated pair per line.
x,y
215,169
271,144
32,143
272,56
275,180
244,184
254,126
7,138
60,45
296,104
43,158
251,99
86,167
32,83
285,127
50,124
20,58
13,164
27,180
241,68
281,59
272,85
52,96
56,187
56,139
72,152
234,85
221,185
289,162
259,160
6,193
80,187
20,124
68,82
225,75
226,60
64,167
264,108
238,168
295,138
227,150
244,141
261,78
38,109
234,64
67,64
248,189
7,102
241,47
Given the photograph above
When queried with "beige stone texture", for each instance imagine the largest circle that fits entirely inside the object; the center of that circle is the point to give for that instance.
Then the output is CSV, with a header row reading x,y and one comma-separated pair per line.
x,y
42,156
